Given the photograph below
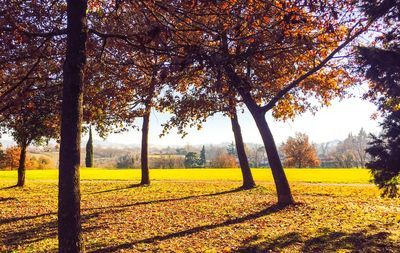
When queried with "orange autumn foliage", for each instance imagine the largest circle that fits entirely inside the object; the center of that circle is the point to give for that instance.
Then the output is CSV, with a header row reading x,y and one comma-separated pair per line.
x,y
299,152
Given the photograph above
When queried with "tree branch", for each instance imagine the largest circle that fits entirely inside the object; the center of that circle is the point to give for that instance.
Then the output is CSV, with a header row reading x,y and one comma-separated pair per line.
x,y
312,71
56,32
25,77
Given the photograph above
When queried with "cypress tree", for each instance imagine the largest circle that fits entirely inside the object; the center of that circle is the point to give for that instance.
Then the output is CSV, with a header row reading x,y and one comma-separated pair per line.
x,y
89,151
203,157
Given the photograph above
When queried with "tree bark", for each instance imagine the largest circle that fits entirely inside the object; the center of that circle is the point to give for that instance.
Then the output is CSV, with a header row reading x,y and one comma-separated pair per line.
x,y
248,181
281,182
21,166
144,156
69,217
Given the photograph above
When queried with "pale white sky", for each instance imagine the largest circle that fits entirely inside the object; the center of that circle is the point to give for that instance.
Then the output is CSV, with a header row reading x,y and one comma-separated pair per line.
x,y
329,123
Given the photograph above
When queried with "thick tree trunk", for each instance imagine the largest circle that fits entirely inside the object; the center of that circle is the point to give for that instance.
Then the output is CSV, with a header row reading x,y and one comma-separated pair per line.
x,y
248,181
21,166
69,217
145,148
281,182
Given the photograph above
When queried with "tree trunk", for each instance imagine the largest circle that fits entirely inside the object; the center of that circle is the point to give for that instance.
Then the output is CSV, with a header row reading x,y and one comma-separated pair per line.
x,y
281,182
21,166
69,217
248,181
145,147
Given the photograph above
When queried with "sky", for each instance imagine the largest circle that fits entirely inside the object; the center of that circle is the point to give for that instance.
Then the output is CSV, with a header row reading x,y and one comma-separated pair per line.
x,y
329,123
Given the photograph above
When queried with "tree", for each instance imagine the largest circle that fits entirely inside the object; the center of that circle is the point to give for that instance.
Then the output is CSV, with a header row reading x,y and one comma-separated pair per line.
x,y
181,151
35,120
203,159
125,161
299,152
44,163
273,54
385,160
193,109
231,149
248,181
224,160
191,160
148,104
137,76
381,65
89,150
351,152
259,155
11,157
30,68
361,146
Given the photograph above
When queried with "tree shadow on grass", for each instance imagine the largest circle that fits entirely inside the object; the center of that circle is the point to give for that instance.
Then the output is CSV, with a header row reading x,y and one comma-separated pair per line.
x,y
48,229
9,187
20,218
267,211
112,208
253,244
361,241
165,200
7,199
38,232
118,189
329,241
141,185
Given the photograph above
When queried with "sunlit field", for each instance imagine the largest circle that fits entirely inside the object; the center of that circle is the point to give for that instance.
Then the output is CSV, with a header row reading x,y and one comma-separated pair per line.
x,y
203,216
352,176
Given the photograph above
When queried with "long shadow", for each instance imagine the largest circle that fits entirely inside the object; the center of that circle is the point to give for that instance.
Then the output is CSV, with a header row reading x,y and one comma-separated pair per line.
x,y
48,229
165,200
330,241
252,245
31,217
9,187
267,211
118,189
355,242
7,199
15,219
37,232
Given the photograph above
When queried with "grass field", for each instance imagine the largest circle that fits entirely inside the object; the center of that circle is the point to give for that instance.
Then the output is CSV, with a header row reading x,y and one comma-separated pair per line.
x,y
204,217
354,176
208,215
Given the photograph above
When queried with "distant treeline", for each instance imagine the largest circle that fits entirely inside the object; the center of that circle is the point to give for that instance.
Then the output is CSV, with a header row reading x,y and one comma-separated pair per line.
x,y
348,153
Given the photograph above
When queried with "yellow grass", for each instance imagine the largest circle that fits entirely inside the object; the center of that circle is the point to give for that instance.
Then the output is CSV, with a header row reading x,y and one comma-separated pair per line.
x,y
352,176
